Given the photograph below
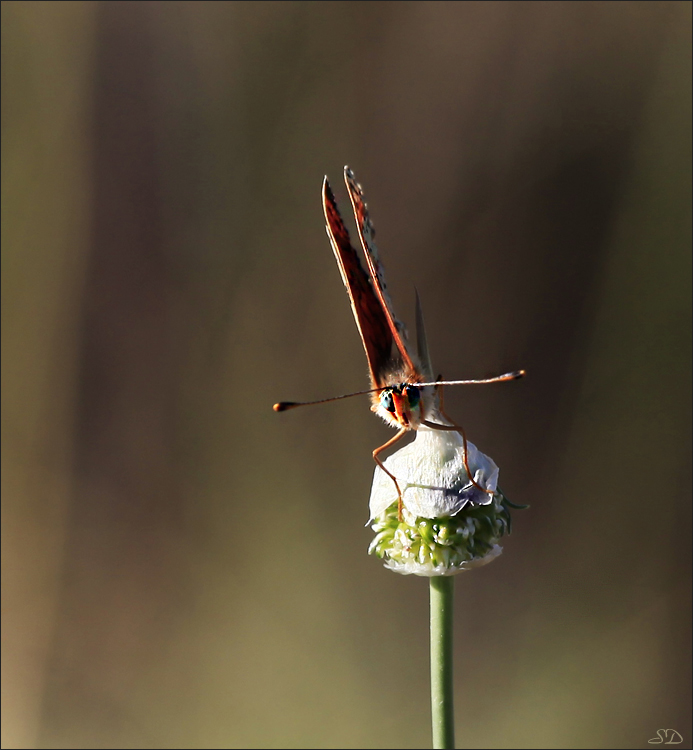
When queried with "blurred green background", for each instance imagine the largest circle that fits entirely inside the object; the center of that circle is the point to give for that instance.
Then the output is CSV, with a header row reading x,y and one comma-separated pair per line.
x,y
181,567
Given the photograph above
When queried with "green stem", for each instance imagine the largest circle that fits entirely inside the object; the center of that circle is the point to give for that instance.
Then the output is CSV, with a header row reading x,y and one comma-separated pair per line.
x,y
442,705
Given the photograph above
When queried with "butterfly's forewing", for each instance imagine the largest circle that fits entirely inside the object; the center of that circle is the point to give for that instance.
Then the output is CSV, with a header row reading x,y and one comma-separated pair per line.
x,y
371,320
366,235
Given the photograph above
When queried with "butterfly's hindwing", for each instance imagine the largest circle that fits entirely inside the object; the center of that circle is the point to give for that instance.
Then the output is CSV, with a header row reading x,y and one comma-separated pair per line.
x,y
421,342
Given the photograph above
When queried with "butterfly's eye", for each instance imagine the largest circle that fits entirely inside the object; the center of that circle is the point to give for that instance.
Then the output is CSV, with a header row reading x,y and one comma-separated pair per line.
x,y
386,401
413,395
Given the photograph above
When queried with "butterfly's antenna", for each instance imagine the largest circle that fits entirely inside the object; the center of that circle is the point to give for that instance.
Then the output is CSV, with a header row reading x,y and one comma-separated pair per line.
x,y
498,379
286,405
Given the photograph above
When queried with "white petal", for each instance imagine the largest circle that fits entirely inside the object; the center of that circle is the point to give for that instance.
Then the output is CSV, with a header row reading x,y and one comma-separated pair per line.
x,y
431,474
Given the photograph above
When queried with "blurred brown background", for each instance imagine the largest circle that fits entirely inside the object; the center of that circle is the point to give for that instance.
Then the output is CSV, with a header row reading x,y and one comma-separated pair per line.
x,y
184,568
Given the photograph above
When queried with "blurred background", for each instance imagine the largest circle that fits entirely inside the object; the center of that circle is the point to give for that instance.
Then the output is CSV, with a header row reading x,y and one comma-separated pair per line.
x,y
182,567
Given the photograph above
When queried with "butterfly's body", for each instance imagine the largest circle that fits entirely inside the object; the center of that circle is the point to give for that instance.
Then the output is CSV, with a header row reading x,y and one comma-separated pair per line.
x,y
403,390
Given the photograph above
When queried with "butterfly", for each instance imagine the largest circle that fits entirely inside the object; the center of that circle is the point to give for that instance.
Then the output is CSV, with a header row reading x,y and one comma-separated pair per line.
x,y
403,389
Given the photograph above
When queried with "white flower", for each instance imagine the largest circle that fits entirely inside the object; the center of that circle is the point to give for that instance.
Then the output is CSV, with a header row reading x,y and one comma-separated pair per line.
x,y
448,524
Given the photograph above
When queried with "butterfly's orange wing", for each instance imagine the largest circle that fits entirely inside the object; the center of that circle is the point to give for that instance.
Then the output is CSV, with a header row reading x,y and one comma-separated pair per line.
x,y
366,235
371,319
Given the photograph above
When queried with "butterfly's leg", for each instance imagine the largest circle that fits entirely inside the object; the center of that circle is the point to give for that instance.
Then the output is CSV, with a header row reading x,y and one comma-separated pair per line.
x,y
456,428
390,442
